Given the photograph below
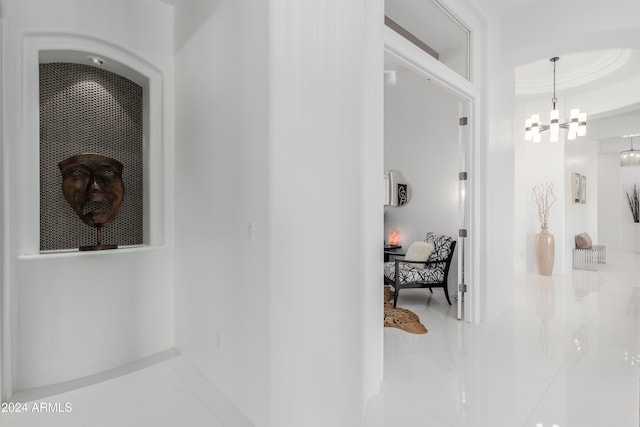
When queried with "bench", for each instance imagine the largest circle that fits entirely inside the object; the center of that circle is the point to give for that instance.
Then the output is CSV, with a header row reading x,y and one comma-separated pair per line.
x,y
587,256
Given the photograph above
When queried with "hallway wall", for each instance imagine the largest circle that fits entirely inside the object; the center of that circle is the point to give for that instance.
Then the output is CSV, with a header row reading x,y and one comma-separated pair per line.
x,y
74,314
522,44
278,291
5,383
615,223
222,198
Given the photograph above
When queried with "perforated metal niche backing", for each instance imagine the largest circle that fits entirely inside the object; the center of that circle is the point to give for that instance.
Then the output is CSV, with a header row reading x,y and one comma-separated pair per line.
x,y
85,109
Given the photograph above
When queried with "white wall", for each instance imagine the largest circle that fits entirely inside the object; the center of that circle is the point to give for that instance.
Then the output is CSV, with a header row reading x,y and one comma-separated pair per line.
x,y
372,213
76,314
581,156
601,26
609,202
554,163
536,164
615,223
222,185
272,124
4,388
629,176
494,234
602,219
322,134
421,140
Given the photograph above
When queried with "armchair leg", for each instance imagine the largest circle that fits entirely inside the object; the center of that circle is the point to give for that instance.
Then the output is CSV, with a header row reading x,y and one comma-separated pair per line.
x,y
446,293
395,296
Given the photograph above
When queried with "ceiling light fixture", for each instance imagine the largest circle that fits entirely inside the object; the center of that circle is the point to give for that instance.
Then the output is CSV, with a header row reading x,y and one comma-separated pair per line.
x,y
576,125
95,60
630,157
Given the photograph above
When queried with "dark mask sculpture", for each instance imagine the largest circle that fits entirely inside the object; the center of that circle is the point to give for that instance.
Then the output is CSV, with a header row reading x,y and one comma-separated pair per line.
x,y
92,185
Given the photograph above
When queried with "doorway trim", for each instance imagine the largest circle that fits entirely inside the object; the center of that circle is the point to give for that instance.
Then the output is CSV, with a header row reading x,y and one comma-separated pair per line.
x,y
429,68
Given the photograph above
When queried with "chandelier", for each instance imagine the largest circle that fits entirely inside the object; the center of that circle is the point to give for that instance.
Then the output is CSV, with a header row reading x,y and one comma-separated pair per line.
x,y
576,125
630,157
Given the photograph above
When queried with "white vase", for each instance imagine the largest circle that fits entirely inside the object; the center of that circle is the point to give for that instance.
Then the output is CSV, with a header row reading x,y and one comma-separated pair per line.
x,y
636,226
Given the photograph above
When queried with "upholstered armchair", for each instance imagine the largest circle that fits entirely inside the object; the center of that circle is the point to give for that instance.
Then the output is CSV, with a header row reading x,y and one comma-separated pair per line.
x,y
402,273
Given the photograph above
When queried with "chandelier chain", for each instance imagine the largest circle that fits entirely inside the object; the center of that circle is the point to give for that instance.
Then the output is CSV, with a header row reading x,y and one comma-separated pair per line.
x,y
554,100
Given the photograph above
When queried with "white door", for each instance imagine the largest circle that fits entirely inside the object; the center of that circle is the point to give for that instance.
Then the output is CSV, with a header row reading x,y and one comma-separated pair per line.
x,y
464,196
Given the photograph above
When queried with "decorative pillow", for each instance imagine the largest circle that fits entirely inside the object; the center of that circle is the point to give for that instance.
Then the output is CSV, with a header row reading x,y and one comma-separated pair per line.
x,y
419,251
441,245
583,241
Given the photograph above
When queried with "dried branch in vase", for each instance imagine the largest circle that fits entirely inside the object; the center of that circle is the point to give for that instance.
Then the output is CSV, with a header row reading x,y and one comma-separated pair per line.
x,y
543,195
633,198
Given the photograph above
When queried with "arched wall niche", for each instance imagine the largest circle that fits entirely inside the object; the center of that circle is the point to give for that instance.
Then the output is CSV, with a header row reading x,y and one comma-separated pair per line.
x,y
88,109
79,49
85,56
106,309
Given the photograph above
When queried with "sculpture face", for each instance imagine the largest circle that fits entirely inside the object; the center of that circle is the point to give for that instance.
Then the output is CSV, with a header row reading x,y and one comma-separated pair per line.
x,y
92,185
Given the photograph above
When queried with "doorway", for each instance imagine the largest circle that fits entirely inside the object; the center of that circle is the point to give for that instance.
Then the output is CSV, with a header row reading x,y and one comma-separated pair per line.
x,y
425,139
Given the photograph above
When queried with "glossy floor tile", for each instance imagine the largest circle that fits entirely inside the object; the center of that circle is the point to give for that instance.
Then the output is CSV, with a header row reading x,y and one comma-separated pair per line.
x,y
568,354
167,394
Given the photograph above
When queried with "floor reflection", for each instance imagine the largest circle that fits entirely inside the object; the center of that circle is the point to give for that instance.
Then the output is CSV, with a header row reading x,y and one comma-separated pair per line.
x,y
568,354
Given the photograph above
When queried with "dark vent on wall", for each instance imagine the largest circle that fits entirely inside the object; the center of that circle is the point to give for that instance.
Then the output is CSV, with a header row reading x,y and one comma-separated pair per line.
x,y
85,109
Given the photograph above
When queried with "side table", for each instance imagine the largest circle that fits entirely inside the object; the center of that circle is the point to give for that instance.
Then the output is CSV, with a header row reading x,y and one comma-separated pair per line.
x,y
392,250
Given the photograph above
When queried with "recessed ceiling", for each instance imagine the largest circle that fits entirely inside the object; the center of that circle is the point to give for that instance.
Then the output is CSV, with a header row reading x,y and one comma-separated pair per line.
x,y
578,71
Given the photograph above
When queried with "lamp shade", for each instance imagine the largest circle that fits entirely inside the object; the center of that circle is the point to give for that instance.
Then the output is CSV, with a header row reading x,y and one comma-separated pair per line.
x,y
630,157
554,127
575,126
394,237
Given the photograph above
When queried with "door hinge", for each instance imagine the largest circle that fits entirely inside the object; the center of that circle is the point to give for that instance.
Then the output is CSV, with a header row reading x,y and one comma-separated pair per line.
x,y
462,287
462,176
462,232
463,121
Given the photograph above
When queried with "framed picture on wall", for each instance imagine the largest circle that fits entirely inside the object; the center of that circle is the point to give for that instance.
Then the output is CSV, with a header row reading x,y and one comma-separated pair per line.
x,y
583,189
578,188
575,187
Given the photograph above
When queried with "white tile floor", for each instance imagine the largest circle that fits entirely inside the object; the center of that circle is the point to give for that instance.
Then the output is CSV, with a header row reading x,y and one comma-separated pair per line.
x,y
568,355
167,394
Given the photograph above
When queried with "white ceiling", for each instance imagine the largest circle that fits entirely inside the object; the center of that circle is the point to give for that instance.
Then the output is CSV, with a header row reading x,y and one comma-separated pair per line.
x,y
506,7
583,72
578,71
